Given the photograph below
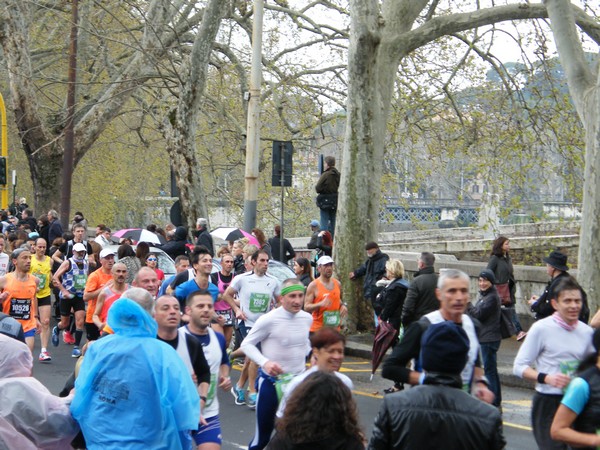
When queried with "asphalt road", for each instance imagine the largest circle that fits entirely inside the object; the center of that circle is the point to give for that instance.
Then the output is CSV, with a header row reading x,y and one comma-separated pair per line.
x,y
238,421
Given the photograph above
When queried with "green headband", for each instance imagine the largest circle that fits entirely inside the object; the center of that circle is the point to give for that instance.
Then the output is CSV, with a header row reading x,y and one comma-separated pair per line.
x,y
294,287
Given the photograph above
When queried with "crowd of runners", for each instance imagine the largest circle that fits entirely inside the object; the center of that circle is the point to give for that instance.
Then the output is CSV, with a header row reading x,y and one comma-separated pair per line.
x,y
157,349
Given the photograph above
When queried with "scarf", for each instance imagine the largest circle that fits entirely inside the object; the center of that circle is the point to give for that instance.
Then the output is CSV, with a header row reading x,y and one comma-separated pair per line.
x,y
561,323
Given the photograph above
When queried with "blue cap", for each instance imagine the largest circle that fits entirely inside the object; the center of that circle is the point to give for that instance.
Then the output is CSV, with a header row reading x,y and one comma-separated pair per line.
x,y
314,223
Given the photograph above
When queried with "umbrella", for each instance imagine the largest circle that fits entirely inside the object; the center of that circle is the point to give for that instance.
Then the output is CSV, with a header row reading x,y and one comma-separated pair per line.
x,y
139,235
222,232
385,334
238,233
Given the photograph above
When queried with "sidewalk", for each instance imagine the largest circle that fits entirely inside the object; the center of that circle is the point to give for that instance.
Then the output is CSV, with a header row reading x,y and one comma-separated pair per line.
x,y
360,345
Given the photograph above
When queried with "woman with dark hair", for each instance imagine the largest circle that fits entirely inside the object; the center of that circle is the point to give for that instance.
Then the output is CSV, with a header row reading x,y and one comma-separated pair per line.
x,y
577,419
320,415
501,264
324,244
303,271
141,252
126,255
262,240
152,262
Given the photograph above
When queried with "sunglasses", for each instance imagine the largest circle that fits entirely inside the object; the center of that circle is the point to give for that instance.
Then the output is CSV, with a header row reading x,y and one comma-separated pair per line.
x,y
151,259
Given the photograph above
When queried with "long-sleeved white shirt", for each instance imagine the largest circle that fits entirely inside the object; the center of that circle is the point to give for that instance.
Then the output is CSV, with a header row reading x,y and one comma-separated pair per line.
x,y
551,349
283,338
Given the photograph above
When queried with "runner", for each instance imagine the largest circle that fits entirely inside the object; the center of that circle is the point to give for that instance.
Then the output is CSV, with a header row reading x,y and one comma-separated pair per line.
x,y
110,294
282,335
222,280
71,278
202,264
182,264
66,249
167,315
18,295
257,293
97,281
324,298
200,310
4,258
41,268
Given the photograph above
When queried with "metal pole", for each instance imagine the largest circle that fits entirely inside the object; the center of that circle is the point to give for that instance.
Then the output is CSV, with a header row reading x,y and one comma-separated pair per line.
x,y
253,130
67,177
4,196
282,184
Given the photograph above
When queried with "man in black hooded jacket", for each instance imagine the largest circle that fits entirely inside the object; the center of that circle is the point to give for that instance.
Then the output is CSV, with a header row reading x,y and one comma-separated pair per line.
x,y
373,269
176,246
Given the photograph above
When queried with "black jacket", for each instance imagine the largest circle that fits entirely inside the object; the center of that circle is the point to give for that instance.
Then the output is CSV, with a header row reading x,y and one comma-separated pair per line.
x,y
543,307
487,311
204,238
288,250
420,298
392,299
436,415
176,246
372,269
502,267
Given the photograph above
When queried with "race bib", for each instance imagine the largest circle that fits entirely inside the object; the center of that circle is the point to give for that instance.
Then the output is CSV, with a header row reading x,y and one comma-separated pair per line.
x,y
569,367
43,280
228,316
20,308
331,318
79,281
281,384
259,303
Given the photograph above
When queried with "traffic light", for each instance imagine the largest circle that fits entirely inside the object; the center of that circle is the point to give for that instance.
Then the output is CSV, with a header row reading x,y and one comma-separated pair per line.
x,y
3,170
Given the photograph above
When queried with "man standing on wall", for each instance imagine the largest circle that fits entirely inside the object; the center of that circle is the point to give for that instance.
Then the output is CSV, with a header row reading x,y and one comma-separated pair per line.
x,y
327,188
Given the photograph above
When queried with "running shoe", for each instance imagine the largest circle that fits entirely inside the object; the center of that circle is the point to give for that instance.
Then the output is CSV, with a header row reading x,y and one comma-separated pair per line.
x,y
45,357
521,335
68,337
238,394
251,402
54,338
76,353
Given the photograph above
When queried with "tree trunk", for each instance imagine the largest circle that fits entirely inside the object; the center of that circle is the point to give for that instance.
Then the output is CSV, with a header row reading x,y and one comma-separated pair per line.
x,y
584,86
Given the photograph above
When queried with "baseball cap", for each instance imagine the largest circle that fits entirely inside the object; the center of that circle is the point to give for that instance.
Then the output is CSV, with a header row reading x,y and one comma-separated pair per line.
x,y
79,247
314,223
107,252
323,260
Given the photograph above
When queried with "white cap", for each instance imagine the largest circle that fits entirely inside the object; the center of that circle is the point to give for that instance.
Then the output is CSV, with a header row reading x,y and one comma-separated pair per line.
x,y
79,247
107,252
323,260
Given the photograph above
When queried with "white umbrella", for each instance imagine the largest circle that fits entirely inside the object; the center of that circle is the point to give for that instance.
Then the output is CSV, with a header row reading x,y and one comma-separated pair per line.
x,y
222,232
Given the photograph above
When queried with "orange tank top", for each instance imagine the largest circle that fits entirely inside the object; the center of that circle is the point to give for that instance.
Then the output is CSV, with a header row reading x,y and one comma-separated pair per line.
x,y
330,316
20,301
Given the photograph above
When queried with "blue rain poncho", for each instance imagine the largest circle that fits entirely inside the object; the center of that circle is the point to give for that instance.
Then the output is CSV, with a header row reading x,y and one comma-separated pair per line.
x,y
133,391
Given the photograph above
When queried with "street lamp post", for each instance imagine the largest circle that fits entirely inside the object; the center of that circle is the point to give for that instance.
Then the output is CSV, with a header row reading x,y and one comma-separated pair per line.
x,y
4,154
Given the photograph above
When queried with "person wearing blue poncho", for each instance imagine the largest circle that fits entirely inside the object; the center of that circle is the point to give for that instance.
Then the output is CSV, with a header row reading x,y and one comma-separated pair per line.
x,y
133,391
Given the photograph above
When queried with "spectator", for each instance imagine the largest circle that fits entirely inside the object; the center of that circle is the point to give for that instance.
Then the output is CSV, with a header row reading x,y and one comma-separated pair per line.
x,y
303,271
327,188
487,311
501,264
438,413
314,228
337,426
204,237
263,244
372,269
421,298
275,242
